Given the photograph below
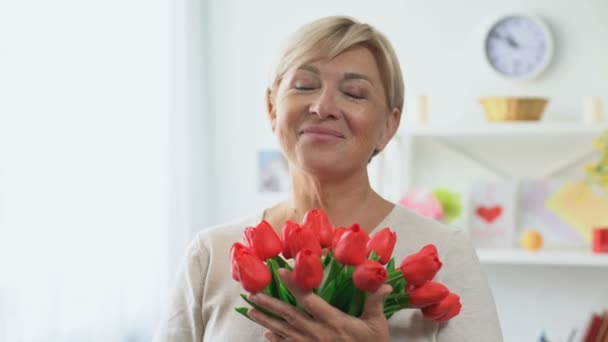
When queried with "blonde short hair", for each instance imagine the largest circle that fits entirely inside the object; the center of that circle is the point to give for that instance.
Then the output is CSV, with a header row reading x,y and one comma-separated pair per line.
x,y
326,38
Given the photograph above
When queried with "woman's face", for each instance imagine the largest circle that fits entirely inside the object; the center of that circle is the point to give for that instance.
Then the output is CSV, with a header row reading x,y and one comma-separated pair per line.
x,y
330,116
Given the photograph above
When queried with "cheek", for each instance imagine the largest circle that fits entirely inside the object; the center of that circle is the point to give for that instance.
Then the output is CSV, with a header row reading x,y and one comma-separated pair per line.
x,y
367,124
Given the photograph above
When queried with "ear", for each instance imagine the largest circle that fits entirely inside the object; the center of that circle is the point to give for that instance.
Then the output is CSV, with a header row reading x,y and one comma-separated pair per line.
x,y
270,108
390,128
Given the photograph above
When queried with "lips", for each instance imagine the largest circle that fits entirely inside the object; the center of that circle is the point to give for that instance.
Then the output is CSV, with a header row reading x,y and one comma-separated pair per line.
x,y
321,131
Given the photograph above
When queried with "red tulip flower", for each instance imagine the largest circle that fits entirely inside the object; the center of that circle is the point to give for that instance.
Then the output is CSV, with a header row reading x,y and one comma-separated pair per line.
x,y
421,267
248,268
317,220
443,311
288,227
383,243
236,251
369,275
350,248
337,235
308,270
301,238
428,294
264,240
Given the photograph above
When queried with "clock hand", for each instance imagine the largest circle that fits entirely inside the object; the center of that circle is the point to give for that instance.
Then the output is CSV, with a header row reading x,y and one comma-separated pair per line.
x,y
512,42
507,39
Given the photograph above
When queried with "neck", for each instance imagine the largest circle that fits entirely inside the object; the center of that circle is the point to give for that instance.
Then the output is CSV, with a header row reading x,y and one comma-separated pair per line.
x,y
347,201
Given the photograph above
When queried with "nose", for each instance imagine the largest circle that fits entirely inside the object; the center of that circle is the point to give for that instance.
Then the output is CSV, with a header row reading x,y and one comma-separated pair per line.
x,y
324,105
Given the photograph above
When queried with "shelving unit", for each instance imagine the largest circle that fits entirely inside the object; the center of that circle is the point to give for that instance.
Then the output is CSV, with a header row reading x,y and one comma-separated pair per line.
x,y
542,258
500,151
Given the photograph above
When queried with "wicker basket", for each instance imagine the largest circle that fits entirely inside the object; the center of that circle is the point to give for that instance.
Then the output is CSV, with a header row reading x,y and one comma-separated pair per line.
x,y
499,109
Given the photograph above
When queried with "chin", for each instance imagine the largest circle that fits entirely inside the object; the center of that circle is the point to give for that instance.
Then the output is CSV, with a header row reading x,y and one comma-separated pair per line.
x,y
323,164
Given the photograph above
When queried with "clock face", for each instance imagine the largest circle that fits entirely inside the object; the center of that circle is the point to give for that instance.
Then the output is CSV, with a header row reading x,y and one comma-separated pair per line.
x,y
518,46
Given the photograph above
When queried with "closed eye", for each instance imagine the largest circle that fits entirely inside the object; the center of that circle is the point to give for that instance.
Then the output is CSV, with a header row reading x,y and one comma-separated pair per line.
x,y
354,96
304,87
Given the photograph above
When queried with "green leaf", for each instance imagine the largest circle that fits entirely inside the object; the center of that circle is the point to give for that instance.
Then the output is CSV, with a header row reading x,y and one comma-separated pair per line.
x,y
243,311
261,309
401,299
328,291
394,277
390,268
330,272
343,297
282,292
355,307
374,256
272,289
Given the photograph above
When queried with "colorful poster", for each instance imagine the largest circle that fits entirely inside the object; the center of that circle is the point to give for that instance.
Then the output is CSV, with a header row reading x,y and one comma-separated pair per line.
x,y
580,207
540,209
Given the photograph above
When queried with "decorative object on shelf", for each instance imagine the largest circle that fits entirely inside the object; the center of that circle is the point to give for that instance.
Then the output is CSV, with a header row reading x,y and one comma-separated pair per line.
x,y
518,46
440,204
597,328
424,203
501,109
451,203
597,172
600,240
423,109
531,240
592,109
492,214
534,210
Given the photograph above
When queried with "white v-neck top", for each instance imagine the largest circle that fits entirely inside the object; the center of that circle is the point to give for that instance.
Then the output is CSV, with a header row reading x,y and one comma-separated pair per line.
x,y
201,307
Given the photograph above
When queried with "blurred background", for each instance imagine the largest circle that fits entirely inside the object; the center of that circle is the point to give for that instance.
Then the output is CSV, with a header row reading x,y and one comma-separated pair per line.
x,y
128,126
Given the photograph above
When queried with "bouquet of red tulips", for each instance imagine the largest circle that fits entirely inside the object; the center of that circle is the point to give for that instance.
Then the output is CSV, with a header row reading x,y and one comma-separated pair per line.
x,y
341,266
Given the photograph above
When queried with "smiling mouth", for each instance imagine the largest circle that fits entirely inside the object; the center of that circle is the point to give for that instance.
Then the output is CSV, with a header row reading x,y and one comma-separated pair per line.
x,y
322,131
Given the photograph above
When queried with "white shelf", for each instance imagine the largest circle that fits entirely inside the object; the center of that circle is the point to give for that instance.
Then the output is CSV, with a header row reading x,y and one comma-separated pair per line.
x,y
510,129
542,258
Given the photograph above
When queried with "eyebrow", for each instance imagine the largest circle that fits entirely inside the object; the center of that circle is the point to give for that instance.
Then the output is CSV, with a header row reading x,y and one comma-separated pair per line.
x,y
348,76
355,76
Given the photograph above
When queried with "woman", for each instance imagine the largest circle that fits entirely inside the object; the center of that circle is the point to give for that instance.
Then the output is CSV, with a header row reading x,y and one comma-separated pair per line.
x,y
334,102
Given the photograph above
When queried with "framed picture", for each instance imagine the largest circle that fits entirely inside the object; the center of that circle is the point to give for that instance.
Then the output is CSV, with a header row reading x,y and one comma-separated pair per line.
x,y
273,172
492,214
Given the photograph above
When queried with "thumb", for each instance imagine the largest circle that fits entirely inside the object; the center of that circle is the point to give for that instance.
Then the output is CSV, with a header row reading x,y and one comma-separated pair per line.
x,y
374,305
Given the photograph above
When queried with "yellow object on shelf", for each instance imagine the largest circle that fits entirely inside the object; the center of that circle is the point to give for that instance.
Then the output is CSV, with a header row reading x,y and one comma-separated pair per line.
x,y
500,109
531,240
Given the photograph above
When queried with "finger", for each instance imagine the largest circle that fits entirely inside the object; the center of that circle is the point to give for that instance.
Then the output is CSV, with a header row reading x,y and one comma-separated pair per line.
x,y
270,336
374,305
289,313
313,304
282,328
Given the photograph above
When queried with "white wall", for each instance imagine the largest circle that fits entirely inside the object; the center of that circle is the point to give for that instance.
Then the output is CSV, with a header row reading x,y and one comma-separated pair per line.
x,y
84,169
440,47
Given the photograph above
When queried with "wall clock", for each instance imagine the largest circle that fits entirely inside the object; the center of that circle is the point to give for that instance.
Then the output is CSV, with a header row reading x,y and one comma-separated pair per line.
x,y
518,46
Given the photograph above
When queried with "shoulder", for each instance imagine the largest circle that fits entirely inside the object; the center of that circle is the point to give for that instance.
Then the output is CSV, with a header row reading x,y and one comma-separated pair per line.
x,y
415,231
217,236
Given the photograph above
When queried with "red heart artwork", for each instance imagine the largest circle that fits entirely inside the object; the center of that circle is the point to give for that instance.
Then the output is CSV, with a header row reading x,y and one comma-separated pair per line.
x,y
489,214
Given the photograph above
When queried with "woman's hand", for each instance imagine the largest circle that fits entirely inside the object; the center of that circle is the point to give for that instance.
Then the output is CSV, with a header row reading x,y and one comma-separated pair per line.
x,y
323,322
